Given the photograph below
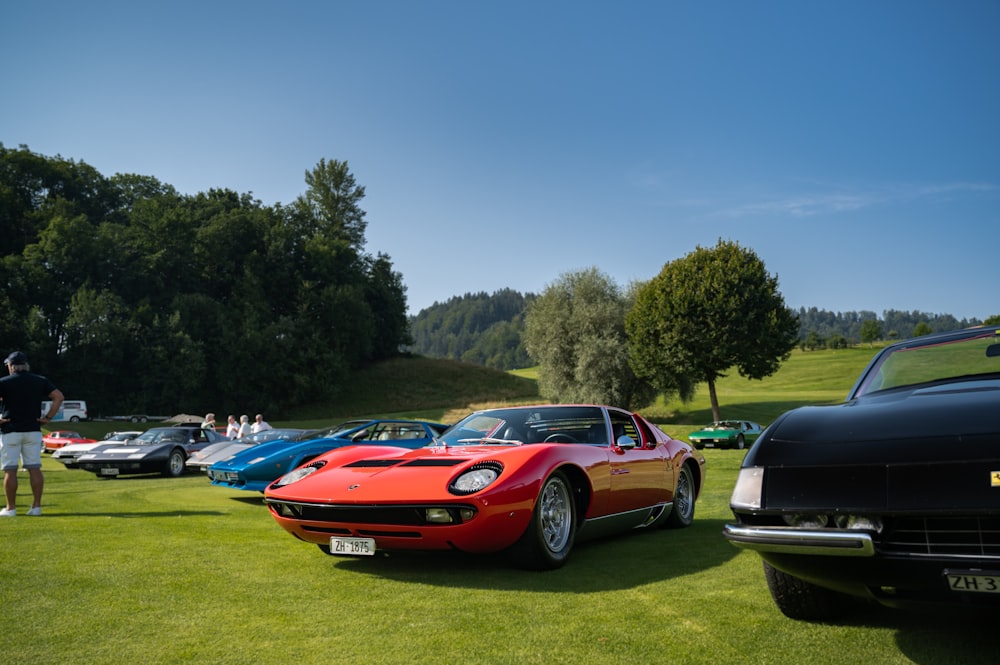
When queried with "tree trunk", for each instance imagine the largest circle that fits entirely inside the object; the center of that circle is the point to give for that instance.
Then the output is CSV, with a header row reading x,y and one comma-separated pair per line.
x,y
715,400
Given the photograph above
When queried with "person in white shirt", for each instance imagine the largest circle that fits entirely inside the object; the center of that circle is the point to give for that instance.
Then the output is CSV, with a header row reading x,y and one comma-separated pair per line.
x,y
259,425
232,428
244,429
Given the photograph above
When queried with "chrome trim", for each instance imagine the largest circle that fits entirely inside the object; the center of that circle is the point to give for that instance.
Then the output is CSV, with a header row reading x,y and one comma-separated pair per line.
x,y
830,542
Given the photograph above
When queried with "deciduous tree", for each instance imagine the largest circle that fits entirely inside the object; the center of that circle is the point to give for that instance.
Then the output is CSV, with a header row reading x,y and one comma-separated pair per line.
x,y
706,313
575,331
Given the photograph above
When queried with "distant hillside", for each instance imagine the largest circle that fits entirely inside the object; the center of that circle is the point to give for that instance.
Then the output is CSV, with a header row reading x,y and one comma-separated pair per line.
x,y
485,329
477,328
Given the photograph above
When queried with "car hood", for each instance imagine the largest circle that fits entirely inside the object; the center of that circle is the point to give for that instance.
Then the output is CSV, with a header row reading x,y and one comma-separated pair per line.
x,y
885,452
927,425
383,474
119,450
269,448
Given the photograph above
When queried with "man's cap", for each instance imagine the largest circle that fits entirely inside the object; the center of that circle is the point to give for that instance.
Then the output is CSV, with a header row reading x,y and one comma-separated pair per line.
x,y
16,358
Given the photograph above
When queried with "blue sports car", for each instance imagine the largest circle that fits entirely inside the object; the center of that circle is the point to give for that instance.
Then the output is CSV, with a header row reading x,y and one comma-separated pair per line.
x,y
256,468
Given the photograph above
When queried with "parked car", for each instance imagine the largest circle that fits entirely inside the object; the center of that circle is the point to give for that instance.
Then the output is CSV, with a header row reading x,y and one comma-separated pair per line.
x,y
69,453
891,496
256,468
59,438
222,450
157,450
531,480
726,434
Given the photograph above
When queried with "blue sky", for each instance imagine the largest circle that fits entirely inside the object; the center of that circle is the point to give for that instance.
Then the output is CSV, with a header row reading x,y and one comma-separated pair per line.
x,y
854,146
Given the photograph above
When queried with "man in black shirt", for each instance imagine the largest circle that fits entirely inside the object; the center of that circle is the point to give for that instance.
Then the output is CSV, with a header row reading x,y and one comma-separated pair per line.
x,y
22,394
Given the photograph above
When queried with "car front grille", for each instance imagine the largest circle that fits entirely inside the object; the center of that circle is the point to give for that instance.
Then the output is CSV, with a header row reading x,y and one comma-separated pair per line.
x,y
959,537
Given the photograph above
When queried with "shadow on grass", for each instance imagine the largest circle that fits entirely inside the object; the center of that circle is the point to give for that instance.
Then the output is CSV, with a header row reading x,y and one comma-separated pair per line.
x,y
140,515
255,499
622,562
947,635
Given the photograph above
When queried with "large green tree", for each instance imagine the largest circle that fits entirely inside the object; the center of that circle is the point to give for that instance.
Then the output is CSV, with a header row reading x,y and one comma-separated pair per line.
x,y
137,298
575,331
703,314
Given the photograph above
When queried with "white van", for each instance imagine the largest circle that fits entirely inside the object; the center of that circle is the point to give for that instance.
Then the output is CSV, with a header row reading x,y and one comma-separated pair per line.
x,y
72,410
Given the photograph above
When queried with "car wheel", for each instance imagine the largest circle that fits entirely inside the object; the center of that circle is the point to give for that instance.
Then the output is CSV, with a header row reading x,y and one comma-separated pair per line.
x,y
798,599
548,540
682,512
175,463
74,419
740,442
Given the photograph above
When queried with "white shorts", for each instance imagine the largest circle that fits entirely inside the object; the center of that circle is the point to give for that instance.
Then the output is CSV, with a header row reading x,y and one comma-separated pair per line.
x,y
23,447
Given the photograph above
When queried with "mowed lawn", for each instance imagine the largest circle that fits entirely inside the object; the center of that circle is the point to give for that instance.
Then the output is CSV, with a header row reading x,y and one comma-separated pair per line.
x,y
157,570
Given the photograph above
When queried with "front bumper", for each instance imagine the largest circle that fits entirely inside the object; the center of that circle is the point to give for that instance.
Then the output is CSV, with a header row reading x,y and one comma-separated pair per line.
x,y
826,542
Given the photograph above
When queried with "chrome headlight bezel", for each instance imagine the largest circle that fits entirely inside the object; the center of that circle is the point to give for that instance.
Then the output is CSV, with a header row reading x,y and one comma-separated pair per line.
x,y
476,478
295,475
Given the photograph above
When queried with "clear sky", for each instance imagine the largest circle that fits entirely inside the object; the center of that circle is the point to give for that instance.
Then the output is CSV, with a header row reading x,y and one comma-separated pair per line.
x,y
854,146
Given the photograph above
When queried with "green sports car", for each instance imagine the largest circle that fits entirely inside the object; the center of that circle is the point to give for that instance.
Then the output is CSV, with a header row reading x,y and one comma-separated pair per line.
x,y
726,434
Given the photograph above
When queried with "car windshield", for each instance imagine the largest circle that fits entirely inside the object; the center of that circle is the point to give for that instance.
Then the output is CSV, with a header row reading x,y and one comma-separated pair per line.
x,y
154,436
933,361
725,424
517,426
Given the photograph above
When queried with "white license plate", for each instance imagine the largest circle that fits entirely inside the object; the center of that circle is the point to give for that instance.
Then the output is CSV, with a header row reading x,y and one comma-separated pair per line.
x,y
113,471
973,582
352,546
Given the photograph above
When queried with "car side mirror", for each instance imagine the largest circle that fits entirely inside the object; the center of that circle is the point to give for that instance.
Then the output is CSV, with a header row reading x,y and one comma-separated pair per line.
x,y
625,442
993,350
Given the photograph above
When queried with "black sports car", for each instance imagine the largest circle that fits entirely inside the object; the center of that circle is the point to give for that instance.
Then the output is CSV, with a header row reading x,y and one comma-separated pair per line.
x,y
158,450
893,495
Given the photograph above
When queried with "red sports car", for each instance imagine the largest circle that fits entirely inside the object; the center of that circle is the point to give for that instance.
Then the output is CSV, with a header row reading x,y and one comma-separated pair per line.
x,y
531,480
59,438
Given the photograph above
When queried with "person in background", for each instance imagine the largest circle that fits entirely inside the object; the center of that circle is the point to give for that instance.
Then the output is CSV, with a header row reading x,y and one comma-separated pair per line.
x,y
259,424
21,429
209,422
232,428
244,429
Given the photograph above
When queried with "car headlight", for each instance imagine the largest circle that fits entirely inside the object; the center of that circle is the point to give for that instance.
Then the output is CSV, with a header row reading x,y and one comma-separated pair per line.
x,y
748,493
476,478
298,474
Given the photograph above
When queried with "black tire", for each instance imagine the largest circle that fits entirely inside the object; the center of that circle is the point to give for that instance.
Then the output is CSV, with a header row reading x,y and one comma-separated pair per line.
x,y
175,464
547,542
74,419
682,512
740,442
798,599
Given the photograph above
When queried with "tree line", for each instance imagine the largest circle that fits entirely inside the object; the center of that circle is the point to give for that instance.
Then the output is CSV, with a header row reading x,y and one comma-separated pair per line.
x,y
141,299
465,327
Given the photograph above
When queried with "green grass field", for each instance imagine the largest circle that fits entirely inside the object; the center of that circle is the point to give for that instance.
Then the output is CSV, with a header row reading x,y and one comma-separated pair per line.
x,y
157,570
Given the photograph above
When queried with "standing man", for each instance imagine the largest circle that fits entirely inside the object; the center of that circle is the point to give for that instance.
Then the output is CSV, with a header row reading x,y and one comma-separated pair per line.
x,y
22,394
232,428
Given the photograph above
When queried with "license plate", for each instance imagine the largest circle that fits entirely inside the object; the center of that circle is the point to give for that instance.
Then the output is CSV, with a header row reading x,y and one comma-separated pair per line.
x,y
352,546
973,581
113,471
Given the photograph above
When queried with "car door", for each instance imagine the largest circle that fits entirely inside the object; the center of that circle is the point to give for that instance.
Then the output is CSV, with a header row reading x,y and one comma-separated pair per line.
x,y
638,475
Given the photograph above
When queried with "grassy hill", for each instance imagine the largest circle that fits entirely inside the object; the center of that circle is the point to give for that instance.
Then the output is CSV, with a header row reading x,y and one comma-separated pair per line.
x,y
444,390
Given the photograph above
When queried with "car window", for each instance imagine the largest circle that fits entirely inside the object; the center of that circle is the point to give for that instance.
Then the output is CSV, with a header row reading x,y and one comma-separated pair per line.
x,y
915,363
623,425
557,424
